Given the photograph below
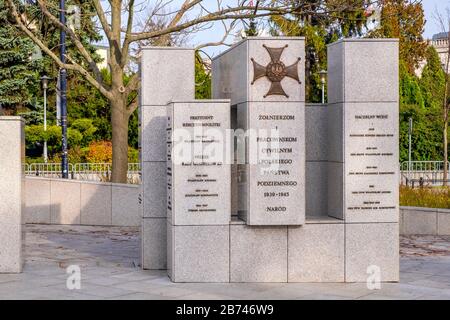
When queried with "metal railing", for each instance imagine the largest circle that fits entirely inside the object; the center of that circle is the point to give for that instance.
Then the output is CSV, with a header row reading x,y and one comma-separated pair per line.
x,y
420,183
81,171
430,166
428,172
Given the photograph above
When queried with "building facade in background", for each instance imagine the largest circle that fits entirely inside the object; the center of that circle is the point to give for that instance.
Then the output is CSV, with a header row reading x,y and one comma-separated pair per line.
x,y
440,42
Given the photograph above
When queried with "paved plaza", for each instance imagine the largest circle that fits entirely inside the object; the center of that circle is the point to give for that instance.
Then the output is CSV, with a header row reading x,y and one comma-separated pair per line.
x,y
108,258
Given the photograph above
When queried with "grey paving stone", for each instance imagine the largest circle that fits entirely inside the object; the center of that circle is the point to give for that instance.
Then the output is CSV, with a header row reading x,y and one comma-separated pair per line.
x,y
421,277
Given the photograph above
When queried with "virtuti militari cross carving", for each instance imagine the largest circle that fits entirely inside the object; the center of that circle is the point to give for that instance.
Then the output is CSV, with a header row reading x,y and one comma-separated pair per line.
x,y
275,71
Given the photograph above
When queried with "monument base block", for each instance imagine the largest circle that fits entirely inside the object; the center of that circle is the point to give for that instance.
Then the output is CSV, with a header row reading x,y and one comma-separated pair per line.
x,y
154,243
198,253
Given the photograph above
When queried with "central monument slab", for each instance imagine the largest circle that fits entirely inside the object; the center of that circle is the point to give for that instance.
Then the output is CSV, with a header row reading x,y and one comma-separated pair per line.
x,y
264,79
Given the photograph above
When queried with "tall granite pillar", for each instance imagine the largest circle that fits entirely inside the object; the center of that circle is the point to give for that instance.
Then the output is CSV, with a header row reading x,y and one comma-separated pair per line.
x,y
167,74
12,153
198,191
264,79
363,155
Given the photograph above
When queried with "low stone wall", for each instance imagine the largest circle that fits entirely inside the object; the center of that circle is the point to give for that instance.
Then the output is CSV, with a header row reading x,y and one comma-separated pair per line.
x,y
59,201
424,221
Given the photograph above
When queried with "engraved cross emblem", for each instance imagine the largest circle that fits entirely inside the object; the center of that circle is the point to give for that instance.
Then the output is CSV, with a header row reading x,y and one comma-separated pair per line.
x,y
275,71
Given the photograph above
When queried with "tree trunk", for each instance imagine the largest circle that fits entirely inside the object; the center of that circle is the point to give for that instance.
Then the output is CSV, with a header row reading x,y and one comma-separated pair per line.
x,y
119,122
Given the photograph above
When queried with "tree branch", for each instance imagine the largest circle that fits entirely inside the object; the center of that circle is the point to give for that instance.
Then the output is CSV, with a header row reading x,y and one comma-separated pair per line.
x,y
102,17
187,5
115,42
55,21
133,106
126,42
75,67
224,14
221,41
133,84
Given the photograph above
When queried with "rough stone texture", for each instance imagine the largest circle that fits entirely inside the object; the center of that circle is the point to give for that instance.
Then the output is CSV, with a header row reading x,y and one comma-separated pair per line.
x,y
199,253
316,253
189,191
108,258
154,189
316,189
335,132
291,54
385,165
169,248
401,222
230,74
233,70
233,74
95,204
335,174
125,205
37,200
316,120
234,190
425,221
294,204
363,130
443,222
153,126
352,63
11,194
374,244
316,132
167,74
420,221
335,81
154,243
258,254
65,202
374,62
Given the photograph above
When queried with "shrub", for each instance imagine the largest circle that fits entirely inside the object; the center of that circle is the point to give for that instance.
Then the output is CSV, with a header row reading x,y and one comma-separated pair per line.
x,y
425,197
100,152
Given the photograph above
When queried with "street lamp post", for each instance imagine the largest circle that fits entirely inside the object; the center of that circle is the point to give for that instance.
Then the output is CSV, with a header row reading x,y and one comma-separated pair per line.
x,y
323,79
63,89
410,129
44,81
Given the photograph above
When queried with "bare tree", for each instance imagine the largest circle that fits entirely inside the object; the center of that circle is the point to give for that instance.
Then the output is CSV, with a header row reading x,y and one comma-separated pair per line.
x,y
117,20
444,23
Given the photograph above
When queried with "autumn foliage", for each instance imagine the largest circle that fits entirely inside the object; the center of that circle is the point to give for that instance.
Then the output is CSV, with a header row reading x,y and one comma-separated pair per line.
x,y
100,152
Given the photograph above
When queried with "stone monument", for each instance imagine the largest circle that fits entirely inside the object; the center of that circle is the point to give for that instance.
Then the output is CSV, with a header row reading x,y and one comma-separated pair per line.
x,y
264,79
318,202
12,152
363,152
198,191
167,74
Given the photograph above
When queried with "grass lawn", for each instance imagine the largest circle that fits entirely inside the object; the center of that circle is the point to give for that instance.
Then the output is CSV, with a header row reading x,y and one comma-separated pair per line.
x,y
438,197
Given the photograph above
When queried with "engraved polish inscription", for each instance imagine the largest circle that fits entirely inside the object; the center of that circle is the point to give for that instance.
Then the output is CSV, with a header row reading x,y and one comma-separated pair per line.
x,y
275,180
371,166
194,169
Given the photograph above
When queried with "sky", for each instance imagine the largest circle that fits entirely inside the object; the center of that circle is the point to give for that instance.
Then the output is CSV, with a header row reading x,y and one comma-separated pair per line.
x,y
430,7
215,33
431,27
